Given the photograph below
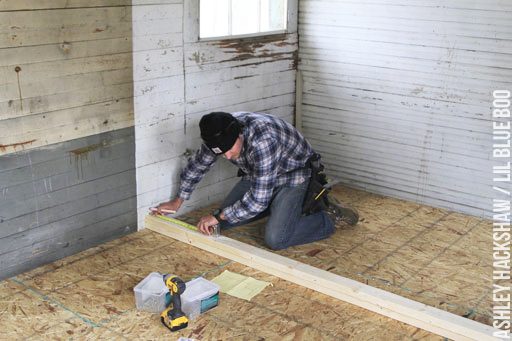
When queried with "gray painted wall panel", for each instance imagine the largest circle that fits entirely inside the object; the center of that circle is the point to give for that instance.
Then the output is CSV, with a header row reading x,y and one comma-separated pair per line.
x,y
51,153
54,214
64,160
13,207
51,196
63,198
18,242
64,245
397,94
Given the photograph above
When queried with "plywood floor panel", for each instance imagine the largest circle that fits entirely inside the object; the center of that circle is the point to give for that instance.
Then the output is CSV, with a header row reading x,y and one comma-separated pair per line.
x,y
426,254
101,306
76,329
139,325
330,318
9,288
89,264
25,313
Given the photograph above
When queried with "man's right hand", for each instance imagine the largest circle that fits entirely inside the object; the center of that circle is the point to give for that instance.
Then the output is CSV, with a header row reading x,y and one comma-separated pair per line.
x,y
168,207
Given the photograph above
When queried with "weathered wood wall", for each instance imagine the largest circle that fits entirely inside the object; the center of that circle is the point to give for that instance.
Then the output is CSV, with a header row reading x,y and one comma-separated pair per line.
x,y
65,71
178,79
67,148
397,94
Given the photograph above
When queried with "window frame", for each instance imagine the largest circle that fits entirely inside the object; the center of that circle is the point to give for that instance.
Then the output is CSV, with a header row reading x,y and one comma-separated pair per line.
x,y
191,24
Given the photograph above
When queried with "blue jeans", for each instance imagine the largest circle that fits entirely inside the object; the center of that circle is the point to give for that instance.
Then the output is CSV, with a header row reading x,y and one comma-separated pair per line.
x,y
286,226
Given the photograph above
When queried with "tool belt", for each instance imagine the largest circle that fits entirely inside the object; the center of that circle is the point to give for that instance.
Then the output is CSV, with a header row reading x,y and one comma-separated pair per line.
x,y
240,173
315,199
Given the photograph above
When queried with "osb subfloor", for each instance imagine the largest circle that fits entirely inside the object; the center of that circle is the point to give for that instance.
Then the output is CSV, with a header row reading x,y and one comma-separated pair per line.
x,y
90,296
427,254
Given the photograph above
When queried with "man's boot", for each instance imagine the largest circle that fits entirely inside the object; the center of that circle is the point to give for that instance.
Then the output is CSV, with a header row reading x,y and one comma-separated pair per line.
x,y
341,213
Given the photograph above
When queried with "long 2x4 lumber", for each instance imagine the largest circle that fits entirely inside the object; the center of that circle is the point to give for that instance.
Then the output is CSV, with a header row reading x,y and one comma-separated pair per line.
x,y
379,301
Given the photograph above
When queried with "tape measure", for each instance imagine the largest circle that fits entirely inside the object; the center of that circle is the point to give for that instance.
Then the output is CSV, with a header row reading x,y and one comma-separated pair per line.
x,y
178,222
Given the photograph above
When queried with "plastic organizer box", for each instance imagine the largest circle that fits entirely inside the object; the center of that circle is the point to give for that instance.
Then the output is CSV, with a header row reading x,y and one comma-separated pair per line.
x,y
199,296
150,293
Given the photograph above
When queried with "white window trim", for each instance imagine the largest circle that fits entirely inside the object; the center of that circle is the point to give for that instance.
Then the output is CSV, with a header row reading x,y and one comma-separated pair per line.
x,y
240,36
191,23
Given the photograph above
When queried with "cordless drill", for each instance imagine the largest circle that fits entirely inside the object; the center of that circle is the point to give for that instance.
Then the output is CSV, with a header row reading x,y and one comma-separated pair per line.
x,y
173,317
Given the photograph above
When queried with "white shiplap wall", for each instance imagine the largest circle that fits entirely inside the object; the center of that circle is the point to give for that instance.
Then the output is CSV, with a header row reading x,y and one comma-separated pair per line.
x,y
397,94
177,79
158,97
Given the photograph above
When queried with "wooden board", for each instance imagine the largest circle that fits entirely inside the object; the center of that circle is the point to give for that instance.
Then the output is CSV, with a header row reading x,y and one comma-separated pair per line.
x,y
373,299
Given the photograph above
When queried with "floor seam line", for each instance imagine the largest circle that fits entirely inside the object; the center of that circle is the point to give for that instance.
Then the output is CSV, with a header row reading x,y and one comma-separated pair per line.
x,y
442,252
420,233
58,303
344,253
101,272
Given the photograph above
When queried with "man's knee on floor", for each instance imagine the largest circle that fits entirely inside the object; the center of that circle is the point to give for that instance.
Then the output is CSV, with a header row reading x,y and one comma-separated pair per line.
x,y
274,242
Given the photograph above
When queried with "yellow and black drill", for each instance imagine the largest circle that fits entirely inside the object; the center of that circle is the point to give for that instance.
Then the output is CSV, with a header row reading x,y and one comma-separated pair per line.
x,y
173,317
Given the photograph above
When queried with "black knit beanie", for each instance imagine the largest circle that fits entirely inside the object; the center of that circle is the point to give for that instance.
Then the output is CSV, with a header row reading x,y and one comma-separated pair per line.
x,y
219,131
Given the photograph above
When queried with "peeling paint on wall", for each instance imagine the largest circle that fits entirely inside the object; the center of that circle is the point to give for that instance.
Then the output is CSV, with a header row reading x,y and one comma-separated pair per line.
x,y
14,146
256,47
81,155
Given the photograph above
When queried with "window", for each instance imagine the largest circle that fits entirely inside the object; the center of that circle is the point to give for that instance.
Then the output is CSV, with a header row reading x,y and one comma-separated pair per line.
x,y
225,18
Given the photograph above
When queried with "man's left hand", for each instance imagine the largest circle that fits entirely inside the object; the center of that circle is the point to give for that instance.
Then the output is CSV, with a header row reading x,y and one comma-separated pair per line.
x,y
206,224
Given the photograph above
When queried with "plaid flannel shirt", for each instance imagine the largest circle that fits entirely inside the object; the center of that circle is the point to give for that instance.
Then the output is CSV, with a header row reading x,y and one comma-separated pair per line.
x,y
274,153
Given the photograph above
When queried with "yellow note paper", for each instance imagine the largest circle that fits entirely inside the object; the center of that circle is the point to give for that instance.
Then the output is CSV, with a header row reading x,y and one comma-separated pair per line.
x,y
239,285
